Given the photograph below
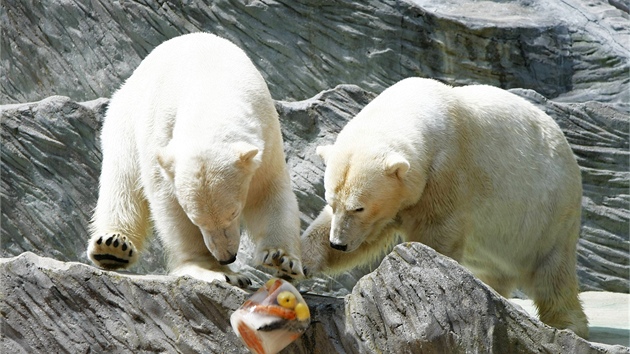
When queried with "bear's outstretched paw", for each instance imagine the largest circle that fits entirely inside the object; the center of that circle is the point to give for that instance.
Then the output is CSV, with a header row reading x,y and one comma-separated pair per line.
x,y
286,266
112,251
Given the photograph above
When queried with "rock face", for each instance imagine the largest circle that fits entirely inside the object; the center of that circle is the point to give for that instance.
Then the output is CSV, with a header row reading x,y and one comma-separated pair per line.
x,y
417,301
573,49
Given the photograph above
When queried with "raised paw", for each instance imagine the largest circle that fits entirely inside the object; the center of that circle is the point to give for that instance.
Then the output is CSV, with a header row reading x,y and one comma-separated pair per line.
x,y
112,251
284,264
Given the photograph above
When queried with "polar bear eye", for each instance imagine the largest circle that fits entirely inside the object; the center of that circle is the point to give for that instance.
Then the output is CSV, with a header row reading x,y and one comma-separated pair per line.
x,y
358,210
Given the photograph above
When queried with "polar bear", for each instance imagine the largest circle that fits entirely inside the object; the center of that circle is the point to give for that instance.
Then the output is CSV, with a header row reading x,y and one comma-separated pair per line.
x,y
475,172
192,146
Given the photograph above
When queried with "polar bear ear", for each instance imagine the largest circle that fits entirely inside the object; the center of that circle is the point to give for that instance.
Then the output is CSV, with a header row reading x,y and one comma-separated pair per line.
x,y
247,154
324,152
167,162
396,164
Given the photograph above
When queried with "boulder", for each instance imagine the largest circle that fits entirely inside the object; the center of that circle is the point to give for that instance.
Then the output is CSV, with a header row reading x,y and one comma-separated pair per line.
x,y
417,301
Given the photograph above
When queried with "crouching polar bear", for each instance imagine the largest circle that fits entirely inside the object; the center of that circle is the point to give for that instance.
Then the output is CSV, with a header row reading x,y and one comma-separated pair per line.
x,y
192,146
474,172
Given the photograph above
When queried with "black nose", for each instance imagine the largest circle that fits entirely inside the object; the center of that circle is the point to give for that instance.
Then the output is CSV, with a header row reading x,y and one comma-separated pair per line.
x,y
231,260
339,247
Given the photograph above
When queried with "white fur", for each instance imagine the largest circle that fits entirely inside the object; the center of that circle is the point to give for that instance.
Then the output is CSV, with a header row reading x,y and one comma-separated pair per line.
x,y
475,172
192,142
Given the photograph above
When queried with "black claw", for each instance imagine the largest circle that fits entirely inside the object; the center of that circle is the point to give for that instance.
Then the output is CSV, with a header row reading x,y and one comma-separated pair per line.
x,y
276,255
291,264
249,281
116,243
305,271
100,240
228,279
109,240
124,246
240,283
266,258
130,253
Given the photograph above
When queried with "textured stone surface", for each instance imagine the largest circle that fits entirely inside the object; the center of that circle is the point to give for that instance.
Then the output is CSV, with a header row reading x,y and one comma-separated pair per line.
x,y
416,302
85,49
60,307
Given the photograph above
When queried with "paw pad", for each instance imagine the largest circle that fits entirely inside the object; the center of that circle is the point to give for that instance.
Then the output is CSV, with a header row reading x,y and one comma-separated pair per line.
x,y
112,251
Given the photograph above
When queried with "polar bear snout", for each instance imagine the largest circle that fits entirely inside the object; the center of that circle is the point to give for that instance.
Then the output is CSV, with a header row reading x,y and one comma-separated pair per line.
x,y
231,260
223,243
338,246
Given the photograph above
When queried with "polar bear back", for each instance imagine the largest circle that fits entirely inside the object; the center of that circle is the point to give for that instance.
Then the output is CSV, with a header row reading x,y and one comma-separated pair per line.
x,y
199,73
521,149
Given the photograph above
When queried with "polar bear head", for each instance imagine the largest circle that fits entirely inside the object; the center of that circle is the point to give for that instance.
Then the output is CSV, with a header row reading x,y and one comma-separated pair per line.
x,y
365,190
211,187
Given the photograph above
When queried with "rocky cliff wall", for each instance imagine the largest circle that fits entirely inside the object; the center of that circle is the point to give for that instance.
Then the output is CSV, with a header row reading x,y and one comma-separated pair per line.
x,y
575,50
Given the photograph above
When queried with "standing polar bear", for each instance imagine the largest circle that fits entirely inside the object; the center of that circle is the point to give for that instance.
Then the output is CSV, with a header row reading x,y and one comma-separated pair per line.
x,y
192,144
474,172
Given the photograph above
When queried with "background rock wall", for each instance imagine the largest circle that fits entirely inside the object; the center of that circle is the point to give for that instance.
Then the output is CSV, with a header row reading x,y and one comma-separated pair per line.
x,y
577,50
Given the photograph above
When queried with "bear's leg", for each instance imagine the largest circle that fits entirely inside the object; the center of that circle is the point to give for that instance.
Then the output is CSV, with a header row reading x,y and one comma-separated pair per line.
x,y
316,243
121,219
319,257
186,250
554,289
502,284
274,227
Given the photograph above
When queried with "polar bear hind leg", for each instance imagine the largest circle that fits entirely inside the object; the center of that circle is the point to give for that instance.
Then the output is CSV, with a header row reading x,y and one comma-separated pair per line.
x,y
554,289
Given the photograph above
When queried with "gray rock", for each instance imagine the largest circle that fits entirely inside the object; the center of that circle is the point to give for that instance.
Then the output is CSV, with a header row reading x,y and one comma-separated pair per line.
x,y
56,307
417,301
576,50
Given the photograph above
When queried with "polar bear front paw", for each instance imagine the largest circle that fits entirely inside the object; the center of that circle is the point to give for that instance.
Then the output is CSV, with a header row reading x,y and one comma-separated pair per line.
x,y
204,272
285,265
112,251
238,280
